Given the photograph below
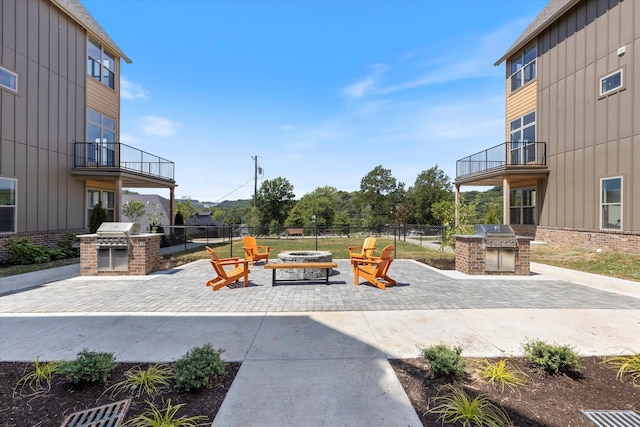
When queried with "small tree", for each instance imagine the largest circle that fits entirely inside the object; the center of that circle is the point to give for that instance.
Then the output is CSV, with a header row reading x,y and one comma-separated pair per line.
x,y
133,209
98,216
155,216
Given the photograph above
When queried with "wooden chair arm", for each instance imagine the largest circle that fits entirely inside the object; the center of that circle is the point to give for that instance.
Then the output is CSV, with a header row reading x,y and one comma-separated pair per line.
x,y
366,261
229,261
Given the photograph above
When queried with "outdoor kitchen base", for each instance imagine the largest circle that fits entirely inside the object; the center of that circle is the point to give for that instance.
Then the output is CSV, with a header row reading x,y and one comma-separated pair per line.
x,y
493,250
112,254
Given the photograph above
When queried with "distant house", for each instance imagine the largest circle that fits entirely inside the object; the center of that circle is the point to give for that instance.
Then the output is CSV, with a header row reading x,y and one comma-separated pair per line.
x,y
150,201
569,169
60,131
202,218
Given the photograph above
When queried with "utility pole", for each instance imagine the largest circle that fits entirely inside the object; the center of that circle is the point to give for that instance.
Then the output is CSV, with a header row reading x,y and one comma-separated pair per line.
x,y
255,180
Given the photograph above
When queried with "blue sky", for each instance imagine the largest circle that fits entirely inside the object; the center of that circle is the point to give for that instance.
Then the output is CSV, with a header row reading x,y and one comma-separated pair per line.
x,y
321,91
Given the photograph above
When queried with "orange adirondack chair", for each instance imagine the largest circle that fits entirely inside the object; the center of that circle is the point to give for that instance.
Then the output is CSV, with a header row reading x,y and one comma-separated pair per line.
x,y
253,252
225,277
374,268
363,252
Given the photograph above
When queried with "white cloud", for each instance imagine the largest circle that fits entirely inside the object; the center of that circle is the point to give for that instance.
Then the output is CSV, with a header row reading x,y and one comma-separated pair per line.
x,y
368,84
287,127
131,91
158,126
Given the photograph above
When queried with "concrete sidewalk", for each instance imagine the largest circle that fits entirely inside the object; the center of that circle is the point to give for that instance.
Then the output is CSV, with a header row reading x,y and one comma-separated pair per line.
x,y
318,354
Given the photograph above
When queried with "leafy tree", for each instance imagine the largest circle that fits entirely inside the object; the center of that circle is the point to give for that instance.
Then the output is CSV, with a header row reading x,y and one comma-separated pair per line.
x,y
133,209
320,202
274,200
431,186
444,213
379,194
185,205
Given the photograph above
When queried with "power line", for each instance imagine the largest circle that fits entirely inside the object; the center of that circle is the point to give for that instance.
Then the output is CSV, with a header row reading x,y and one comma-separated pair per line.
x,y
233,191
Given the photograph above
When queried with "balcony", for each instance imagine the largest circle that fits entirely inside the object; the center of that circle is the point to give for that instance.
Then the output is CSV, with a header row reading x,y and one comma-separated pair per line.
x,y
136,167
510,158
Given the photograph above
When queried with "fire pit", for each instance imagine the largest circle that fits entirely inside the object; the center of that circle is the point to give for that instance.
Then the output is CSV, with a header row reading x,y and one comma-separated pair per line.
x,y
303,256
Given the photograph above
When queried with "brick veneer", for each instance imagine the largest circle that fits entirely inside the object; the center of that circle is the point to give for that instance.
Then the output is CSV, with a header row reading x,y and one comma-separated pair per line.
x,y
144,256
591,240
470,257
48,239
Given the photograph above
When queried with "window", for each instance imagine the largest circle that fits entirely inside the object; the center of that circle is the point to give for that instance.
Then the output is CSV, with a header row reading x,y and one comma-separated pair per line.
x,y
523,206
108,202
8,79
611,201
611,83
523,67
101,64
8,190
101,137
522,146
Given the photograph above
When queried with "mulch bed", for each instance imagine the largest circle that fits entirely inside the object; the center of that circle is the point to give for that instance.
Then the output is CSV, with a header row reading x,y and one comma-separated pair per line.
x,y
550,400
51,408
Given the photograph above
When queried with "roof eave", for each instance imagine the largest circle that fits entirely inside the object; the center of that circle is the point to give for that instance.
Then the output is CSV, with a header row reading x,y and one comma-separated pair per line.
x,y
520,44
88,22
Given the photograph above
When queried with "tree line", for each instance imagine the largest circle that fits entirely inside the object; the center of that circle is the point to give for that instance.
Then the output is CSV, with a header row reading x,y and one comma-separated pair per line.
x,y
381,200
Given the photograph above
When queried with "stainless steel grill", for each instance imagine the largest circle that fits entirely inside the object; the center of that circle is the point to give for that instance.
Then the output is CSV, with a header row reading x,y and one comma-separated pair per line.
x,y
500,244
112,242
497,236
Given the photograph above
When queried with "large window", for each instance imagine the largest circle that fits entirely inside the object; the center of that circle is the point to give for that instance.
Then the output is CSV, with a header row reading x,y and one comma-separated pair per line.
x,y
611,83
108,202
8,79
523,67
101,64
523,206
8,189
101,135
522,147
611,201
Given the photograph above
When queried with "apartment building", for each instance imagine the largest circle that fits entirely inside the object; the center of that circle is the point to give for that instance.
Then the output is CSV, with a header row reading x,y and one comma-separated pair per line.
x,y
570,169
60,123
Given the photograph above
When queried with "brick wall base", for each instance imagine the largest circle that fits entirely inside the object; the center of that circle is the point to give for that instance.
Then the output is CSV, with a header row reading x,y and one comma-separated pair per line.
x,y
47,239
470,257
143,256
590,240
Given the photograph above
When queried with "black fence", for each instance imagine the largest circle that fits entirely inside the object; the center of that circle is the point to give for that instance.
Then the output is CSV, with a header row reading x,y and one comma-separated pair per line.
x,y
187,235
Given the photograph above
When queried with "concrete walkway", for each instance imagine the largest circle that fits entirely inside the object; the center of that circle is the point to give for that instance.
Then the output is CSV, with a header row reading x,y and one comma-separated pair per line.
x,y
316,354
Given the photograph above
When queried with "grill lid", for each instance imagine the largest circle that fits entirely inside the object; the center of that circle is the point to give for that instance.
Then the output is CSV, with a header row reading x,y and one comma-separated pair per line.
x,y
118,228
487,230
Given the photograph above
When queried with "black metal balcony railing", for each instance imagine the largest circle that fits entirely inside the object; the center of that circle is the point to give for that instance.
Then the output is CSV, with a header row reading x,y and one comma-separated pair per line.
x,y
519,154
122,156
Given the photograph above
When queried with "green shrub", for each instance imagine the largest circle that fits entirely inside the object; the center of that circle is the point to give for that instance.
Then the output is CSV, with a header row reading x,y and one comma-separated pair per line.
x,y
196,368
98,216
66,244
88,367
445,361
552,358
22,252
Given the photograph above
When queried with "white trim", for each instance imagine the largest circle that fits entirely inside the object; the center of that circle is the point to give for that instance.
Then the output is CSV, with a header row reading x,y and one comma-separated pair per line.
x,y
601,205
15,206
615,89
15,75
